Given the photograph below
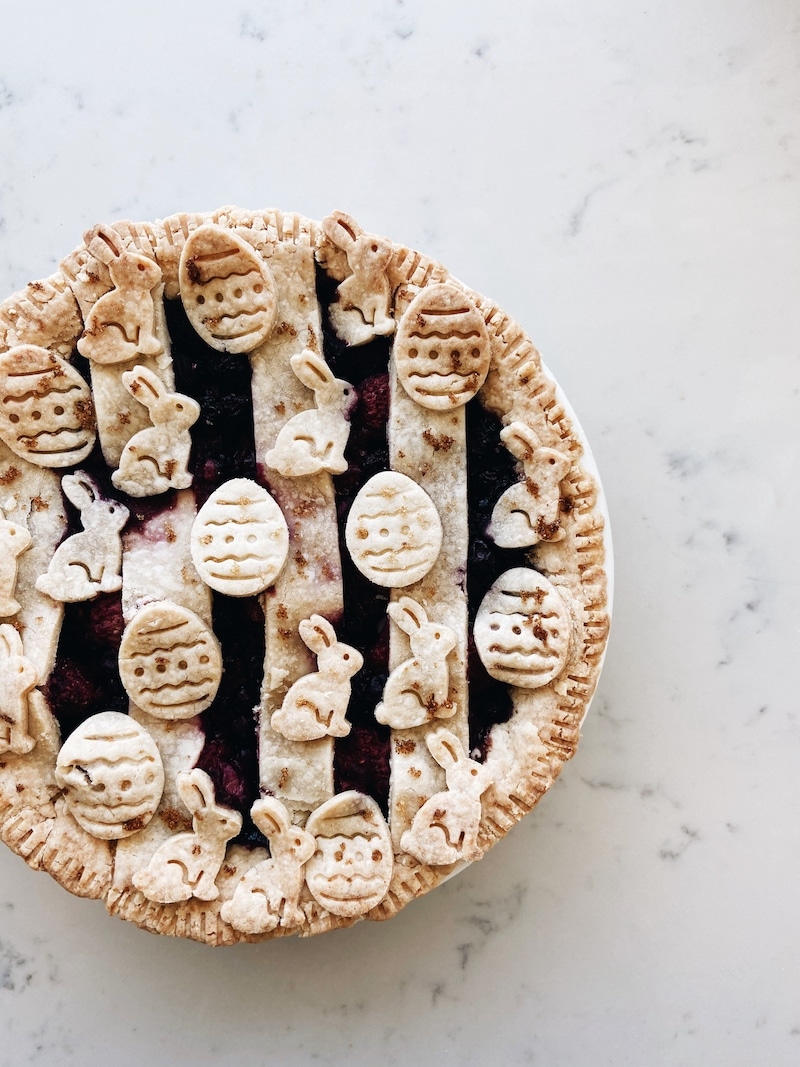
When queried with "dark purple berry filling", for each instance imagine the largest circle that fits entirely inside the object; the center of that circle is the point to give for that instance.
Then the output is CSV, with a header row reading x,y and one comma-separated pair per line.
x,y
223,441
490,471
361,760
86,678
230,754
223,447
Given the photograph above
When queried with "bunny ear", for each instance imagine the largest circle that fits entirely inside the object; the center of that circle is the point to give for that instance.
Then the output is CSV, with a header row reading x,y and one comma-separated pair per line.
x,y
143,385
445,748
317,633
341,229
311,369
10,641
408,614
104,243
520,440
270,816
79,489
196,789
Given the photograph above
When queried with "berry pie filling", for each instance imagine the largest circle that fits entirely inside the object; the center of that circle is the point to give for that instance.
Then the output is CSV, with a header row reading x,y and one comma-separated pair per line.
x,y
374,610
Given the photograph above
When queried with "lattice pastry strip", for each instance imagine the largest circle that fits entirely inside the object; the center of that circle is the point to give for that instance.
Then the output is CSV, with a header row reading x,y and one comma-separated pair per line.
x,y
120,293
157,572
430,447
125,809
300,773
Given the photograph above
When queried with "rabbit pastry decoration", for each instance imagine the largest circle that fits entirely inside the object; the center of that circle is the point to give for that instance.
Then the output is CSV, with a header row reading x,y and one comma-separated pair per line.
x,y
121,326
315,440
363,307
18,678
268,894
14,540
417,691
527,512
316,704
445,829
187,864
156,458
89,562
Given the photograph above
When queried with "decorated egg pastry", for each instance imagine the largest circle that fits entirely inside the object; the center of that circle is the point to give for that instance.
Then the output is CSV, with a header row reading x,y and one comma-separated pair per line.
x,y
290,658
239,539
46,411
169,662
111,772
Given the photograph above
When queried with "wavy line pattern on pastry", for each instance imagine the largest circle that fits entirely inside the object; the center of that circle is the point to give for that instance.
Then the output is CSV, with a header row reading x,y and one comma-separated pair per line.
x,y
299,773
521,756
429,445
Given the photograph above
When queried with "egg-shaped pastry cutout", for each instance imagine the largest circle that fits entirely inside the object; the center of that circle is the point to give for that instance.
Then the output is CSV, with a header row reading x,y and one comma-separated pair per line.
x,y
523,629
46,409
393,531
169,661
111,772
351,868
227,290
240,539
442,349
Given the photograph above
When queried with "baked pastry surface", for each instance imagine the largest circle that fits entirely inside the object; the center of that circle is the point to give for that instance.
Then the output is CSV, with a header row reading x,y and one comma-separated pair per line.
x,y
303,590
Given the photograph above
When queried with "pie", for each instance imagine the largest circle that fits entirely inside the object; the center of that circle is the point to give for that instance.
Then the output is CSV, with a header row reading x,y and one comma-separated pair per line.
x,y
303,582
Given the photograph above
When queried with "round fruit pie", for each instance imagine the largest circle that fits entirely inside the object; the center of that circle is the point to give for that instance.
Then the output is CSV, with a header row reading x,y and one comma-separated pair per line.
x,y
303,590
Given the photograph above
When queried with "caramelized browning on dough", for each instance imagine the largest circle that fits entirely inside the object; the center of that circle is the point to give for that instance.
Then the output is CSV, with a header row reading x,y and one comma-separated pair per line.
x,y
412,797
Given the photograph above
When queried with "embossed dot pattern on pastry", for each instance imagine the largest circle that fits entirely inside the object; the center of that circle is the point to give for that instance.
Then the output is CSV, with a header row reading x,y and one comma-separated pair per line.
x,y
393,531
169,662
111,772
351,868
227,290
523,629
46,410
304,593
442,350
239,539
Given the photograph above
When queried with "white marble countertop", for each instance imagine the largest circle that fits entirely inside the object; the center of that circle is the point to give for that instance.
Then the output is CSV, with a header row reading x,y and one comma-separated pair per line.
x,y
624,179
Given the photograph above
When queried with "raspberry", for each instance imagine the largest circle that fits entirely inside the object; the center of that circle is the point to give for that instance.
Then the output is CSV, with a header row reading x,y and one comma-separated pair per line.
x,y
105,621
361,761
373,396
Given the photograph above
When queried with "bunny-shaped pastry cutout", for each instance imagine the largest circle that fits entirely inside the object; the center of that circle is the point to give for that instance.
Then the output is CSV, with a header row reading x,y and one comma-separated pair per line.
x,y
314,441
89,562
156,458
268,894
417,691
445,829
14,540
121,326
18,677
527,512
363,307
187,865
316,704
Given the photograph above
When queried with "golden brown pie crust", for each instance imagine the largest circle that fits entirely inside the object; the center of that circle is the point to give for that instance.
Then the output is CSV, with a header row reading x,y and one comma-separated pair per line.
x,y
526,753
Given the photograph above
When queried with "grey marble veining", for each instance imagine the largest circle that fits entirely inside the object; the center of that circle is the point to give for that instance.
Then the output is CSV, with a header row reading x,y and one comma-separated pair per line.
x,y
624,179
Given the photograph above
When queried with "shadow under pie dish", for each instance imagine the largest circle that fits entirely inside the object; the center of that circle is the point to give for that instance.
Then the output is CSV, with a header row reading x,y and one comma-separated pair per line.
x,y
303,589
